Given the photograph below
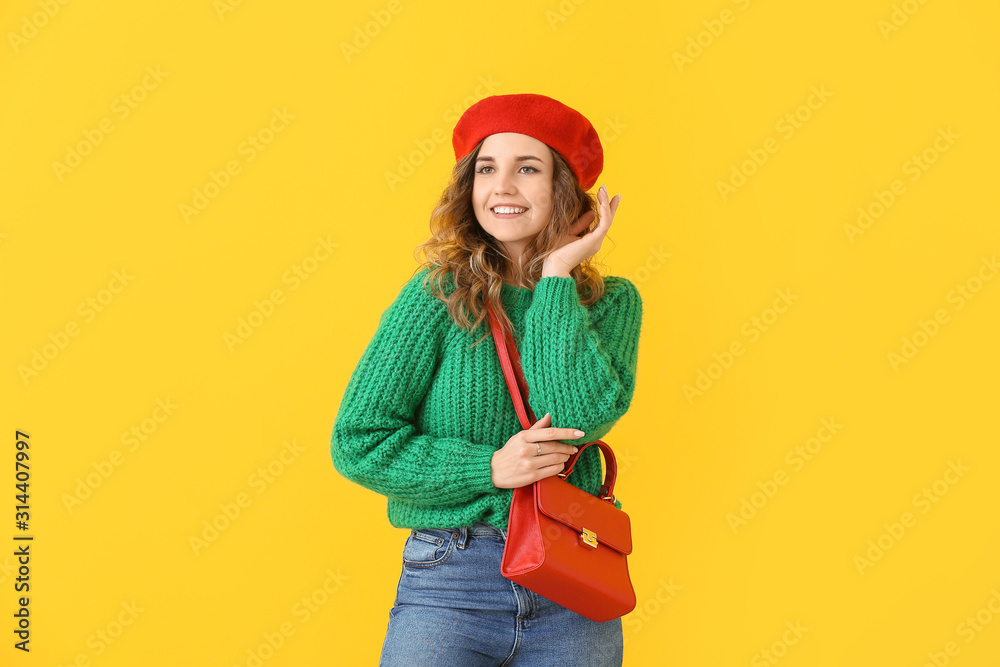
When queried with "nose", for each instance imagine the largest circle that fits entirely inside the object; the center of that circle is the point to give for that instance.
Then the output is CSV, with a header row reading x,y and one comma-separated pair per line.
x,y
504,182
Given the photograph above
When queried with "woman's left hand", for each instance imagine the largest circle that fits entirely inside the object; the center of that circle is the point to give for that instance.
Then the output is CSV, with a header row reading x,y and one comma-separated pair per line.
x,y
574,248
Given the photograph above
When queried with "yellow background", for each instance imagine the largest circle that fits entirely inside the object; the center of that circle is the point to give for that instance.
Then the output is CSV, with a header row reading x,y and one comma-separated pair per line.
x,y
357,107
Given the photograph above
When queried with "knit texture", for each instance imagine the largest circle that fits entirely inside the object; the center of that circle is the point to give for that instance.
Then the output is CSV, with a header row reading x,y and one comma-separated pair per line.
x,y
423,413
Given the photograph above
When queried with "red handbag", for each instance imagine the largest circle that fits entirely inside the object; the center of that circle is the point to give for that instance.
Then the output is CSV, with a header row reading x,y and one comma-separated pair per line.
x,y
563,543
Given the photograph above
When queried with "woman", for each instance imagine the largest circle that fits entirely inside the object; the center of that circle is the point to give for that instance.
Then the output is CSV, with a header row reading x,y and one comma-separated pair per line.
x,y
427,419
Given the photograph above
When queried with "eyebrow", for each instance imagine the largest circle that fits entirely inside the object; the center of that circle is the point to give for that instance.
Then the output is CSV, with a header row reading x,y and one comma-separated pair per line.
x,y
519,158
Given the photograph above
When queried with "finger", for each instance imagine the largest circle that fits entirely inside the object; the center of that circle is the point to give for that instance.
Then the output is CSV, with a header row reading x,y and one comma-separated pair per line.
x,y
550,449
608,205
581,224
558,449
550,470
550,459
553,433
605,206
602,227
606,220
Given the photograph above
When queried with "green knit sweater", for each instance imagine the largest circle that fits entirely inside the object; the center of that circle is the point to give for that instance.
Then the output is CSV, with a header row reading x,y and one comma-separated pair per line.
x,y
423,413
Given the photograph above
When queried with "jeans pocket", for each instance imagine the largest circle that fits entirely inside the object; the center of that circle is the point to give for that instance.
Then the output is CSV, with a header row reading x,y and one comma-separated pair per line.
x,y
428,547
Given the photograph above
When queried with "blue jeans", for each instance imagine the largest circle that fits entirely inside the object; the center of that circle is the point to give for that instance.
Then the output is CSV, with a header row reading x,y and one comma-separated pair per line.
x,y
453,607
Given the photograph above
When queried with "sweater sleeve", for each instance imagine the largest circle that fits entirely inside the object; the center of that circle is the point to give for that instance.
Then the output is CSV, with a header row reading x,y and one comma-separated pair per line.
x,y
580,364
375,441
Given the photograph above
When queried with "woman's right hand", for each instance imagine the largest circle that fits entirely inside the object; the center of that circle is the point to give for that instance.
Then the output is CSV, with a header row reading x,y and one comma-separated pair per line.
x,y
518,463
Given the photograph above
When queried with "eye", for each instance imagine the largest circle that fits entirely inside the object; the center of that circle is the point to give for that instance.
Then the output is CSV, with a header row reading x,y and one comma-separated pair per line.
x,y
482,169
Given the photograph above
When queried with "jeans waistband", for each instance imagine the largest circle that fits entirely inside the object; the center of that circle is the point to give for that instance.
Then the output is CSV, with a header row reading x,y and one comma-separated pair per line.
x,y
478,529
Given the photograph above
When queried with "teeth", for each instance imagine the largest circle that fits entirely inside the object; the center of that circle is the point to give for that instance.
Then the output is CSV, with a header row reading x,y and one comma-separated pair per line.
x,y
508,209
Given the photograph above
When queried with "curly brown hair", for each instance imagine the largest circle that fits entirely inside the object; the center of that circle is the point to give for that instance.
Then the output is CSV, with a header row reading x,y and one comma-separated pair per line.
x,y
476,262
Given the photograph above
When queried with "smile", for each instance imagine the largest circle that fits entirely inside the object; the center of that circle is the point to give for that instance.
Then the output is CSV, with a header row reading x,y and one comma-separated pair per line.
x,y
508,210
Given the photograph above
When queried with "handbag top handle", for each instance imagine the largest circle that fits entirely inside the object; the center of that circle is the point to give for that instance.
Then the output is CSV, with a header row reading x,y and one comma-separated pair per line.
x,y
517,385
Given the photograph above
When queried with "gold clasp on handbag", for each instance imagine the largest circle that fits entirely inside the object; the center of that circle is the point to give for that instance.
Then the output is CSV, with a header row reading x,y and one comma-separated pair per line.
x,y
589,538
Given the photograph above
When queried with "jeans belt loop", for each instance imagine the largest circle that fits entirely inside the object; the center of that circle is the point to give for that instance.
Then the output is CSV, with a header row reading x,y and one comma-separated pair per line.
x,y
463,536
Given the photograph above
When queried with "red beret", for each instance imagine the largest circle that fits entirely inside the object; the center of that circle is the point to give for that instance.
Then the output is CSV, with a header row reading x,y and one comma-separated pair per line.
x,y
548,120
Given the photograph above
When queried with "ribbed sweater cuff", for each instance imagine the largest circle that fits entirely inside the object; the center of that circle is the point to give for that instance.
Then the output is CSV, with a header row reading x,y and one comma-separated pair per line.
x,y
475,474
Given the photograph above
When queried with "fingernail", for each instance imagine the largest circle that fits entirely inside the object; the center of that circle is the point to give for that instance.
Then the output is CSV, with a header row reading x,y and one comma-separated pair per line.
x,y
579,433
576,449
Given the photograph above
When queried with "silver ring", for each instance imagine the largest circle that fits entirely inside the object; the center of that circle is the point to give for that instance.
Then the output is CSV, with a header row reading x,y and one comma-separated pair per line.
x,y
538,448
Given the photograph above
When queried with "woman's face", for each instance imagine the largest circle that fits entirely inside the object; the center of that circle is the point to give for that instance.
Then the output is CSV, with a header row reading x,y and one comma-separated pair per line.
x,y
515,170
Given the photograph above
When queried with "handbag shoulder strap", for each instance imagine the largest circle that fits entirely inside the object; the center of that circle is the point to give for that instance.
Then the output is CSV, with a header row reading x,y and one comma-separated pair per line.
x,y
517,385
510,361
